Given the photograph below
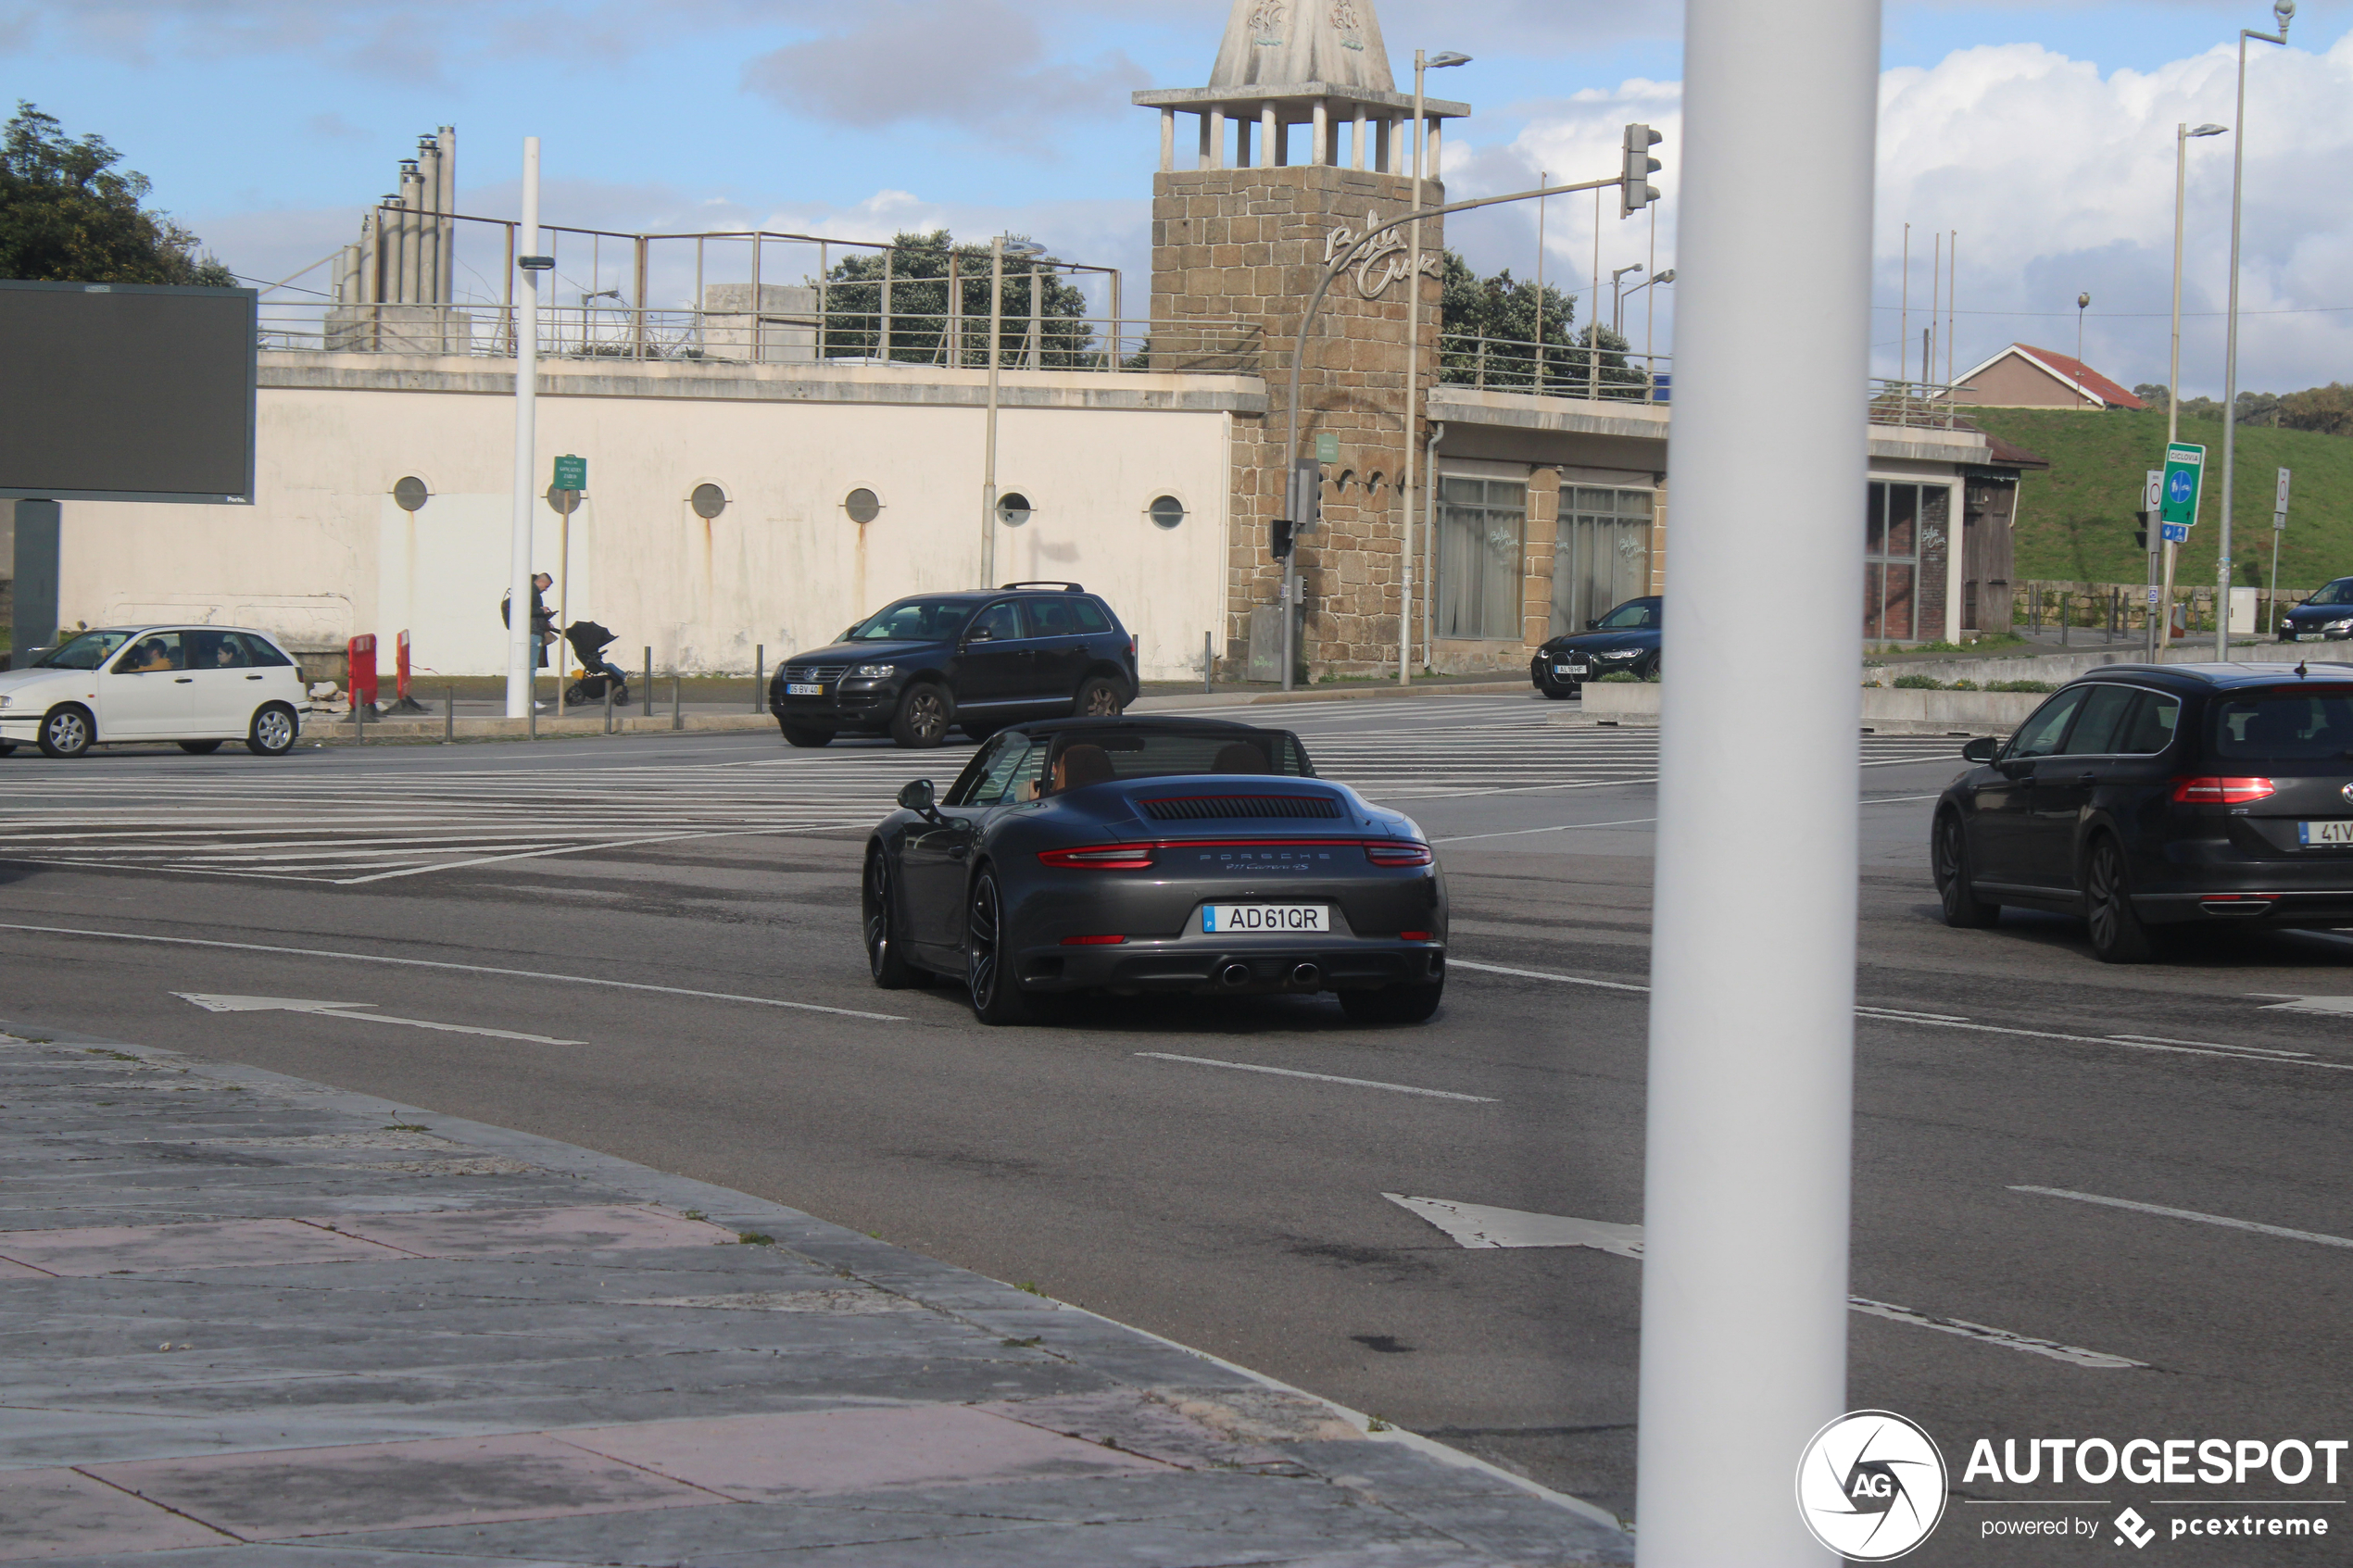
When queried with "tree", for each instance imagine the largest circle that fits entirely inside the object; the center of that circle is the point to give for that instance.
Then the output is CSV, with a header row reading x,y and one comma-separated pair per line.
x,y
1504,311
67,214
2156,395
2328,409
918,266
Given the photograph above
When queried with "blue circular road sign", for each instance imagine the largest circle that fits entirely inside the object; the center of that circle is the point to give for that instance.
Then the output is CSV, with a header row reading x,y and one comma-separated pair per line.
x,y
2178,488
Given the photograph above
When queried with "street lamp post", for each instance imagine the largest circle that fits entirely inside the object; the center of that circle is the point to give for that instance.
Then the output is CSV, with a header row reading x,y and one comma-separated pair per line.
x,y
2182,134
2083,302
1666,276
1422,67
2284,10
1617,300
999,249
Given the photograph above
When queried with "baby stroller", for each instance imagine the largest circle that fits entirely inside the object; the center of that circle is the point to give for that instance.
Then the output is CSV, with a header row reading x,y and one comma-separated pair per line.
x,y
589,642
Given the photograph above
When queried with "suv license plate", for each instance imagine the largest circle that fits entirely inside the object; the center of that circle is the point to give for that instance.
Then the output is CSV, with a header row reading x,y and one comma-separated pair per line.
x,y
2314,835
1269,917
804,691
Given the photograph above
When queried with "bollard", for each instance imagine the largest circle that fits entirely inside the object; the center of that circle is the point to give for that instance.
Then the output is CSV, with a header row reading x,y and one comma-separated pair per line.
x,y
677,702
449,716
758,674
358,721
648,687
531,712
2062,615
608,707
1206,667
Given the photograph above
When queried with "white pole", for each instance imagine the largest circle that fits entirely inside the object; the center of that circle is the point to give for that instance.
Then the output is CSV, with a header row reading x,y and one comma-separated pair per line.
x,y
988,461
1751,1082
519,629
2283,9
1413,407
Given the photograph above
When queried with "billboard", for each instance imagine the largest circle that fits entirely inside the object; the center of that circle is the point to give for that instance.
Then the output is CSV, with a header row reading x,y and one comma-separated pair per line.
x,y
127,392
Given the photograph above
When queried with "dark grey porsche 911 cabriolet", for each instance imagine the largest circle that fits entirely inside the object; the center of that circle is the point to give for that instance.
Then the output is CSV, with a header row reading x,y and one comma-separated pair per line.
x,y
1141,856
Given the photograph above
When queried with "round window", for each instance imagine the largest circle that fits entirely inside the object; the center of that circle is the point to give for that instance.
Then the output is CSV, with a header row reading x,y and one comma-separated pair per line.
x,y
708,500
411,495
1166,512
1012,509
862,505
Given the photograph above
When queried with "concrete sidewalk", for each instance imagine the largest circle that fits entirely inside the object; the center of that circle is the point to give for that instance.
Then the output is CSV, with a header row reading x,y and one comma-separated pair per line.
x,y
255,1320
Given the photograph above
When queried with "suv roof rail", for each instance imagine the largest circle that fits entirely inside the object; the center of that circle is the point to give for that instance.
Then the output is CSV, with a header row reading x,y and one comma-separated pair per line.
x,y
1065,587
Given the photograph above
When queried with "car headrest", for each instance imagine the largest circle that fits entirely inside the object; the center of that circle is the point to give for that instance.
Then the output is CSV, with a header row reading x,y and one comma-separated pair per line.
x,y
1239,757
1083,765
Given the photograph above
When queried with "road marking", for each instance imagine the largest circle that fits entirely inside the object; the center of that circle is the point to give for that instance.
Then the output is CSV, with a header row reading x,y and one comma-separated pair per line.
x,y
2314,1236
1477,1225
1564,827
464,967
1540,975
1941,1021
2334,1006
344,1009
1320,1077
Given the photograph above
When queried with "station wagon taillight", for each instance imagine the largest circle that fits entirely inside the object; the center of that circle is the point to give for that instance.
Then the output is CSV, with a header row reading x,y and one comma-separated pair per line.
x,y
2221,791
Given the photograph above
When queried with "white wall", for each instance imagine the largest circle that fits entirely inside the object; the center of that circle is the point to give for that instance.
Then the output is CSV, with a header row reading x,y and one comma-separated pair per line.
x,y
325,553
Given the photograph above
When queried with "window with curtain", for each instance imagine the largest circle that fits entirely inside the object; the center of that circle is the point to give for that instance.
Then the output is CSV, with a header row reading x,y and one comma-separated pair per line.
x,y
1603,555
1482,527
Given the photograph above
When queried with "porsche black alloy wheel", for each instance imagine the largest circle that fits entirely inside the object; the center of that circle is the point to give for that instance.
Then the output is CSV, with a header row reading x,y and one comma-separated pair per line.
x,y
1392,1004
923,718
1098,698
2118,935
996,998
1948,861
885,954
66,731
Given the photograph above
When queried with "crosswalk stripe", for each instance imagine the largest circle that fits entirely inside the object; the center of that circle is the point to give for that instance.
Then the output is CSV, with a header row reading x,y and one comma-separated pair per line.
x,y
381,824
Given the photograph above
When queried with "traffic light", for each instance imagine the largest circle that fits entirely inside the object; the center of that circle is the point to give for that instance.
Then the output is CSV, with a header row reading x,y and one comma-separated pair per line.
x,y
1279,541
1636,192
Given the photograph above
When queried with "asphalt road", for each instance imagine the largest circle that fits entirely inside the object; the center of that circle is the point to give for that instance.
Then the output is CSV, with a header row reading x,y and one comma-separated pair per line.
x,y
682,910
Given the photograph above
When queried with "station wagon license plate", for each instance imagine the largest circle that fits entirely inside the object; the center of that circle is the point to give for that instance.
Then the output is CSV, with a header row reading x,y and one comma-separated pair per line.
x,y
804,691
1229,918
2319,835
2307,636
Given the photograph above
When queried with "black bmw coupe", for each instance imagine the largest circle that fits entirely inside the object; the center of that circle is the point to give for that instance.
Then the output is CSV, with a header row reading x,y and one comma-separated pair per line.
x,y
1150,856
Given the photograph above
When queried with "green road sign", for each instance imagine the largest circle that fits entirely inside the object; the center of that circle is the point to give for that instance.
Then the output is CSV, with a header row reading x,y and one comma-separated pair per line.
x,y
2185,475
572,474
1326,447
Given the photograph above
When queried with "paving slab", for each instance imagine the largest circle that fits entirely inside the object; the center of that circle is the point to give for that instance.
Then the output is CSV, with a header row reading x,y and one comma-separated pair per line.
x,y
238,1310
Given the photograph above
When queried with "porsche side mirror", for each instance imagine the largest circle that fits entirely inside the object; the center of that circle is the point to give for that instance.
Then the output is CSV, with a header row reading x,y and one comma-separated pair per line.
x,y
917,797
1590,624
1982,749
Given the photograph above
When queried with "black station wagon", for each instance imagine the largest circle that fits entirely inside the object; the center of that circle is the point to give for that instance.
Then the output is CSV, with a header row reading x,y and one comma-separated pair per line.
x,y
2152,799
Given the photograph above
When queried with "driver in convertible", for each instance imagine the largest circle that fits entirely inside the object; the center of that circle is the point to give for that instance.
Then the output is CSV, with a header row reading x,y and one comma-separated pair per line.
x,y
1075,768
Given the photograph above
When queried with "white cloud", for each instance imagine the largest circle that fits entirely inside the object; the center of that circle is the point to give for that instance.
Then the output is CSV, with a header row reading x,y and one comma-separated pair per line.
x,y
2059,181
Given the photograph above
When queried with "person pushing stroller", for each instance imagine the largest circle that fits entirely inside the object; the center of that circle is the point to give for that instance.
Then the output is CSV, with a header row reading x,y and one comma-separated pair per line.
x,y
589,642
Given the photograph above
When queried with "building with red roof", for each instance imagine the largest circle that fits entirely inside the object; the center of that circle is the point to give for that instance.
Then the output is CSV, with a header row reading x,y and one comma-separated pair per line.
x,y
2022,376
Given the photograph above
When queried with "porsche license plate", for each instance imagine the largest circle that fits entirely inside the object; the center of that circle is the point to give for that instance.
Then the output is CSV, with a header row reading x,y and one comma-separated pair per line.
x,y
804,691
1227,918
2312,834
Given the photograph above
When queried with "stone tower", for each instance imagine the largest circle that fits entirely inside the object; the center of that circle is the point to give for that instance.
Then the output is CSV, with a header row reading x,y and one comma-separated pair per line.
x,y
1302,139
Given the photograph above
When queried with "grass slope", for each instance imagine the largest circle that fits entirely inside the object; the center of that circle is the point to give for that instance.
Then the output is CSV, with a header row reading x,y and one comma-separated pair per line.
x,y
2075,522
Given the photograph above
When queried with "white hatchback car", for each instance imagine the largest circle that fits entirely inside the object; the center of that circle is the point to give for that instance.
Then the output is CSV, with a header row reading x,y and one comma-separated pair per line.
x,y
197,685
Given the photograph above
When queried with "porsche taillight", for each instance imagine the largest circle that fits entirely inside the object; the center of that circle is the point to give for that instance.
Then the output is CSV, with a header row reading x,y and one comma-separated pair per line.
x,y
2211,791
1102,856
1397,852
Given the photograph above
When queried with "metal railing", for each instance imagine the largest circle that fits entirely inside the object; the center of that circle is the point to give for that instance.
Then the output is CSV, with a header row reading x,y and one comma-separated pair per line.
x,y
770,337
1920,405
1552,370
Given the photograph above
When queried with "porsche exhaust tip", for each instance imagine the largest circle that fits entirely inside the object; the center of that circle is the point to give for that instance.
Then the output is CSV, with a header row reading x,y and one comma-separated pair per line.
x,y
1305,975
1233,974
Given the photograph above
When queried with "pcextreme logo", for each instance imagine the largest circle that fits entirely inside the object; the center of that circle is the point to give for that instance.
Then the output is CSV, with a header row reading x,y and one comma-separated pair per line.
x,y
1871,1485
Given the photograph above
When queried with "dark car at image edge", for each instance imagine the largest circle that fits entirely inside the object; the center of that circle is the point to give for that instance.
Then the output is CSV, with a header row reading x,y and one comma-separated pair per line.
x,y
976,659
2156,801
2326,616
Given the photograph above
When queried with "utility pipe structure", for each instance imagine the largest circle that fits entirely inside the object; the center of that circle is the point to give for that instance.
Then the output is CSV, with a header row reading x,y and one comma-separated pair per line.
x,y
522,663
1748,1146
1332,273
2284,10
2160,633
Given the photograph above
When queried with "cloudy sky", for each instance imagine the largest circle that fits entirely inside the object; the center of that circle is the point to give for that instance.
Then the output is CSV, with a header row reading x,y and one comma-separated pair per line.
x,y
2042,132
